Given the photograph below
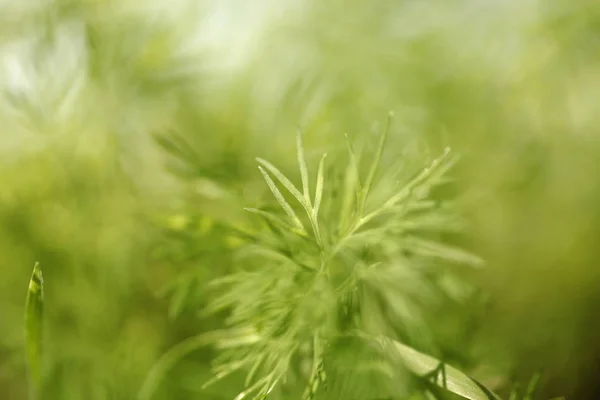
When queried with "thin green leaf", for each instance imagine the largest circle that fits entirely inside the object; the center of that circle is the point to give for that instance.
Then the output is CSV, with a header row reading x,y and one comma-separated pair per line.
x,y
34,313
377,159
354,164
514,393
428,177
257,363
350,198
424,365
318,375
276,221
225,371
303,168
177,301
281,200
430,248
319,189
275,255
285,182
264,393
261,383
531,388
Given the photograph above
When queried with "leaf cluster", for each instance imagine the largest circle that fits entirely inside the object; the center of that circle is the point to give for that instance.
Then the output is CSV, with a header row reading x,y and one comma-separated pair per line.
x,y
363,256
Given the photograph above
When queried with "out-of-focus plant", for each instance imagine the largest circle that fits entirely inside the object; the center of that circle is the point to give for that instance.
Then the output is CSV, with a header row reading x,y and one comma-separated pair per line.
x,y
357,268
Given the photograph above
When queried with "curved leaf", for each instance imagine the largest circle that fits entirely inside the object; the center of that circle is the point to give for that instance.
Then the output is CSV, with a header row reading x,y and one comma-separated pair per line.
x,y
443,375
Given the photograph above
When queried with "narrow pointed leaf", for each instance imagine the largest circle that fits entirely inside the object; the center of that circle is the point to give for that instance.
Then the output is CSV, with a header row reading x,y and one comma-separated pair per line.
x,y
354,165
377,158
531,388
319,189
350,200
285,182
254,369
276,255
34,313
318,376
431,248
303,168
263,382
276,221
424,365
281,200
427,178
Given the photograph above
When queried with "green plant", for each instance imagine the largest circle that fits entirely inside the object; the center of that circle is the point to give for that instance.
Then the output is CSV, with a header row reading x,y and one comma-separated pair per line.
x,y
34,313
348,268
363,269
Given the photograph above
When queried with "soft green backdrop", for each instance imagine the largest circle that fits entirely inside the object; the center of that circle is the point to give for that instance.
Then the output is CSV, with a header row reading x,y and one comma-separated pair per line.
x,y
128,131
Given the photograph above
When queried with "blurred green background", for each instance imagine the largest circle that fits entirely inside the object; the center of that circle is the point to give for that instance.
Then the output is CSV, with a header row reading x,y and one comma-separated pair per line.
x,y
128,131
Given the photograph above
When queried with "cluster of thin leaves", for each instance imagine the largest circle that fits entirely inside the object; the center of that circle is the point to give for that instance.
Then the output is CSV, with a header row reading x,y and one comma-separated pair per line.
x,y
333,264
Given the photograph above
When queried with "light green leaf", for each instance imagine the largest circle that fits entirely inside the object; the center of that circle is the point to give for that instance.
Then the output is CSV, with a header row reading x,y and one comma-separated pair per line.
x,y
351,192
376,159
427,178
318,376
34,313
281,200
254,369
450,378
319,189
354,165
276,221
275,255
303,168
285,182
431,248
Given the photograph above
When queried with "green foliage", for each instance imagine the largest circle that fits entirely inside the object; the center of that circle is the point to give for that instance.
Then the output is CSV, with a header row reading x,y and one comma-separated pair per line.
x,y
34,324
129,131
370,267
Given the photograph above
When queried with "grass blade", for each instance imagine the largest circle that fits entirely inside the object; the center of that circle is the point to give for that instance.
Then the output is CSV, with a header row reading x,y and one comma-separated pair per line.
x,y
303,168
34,313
